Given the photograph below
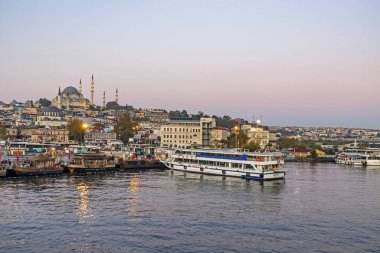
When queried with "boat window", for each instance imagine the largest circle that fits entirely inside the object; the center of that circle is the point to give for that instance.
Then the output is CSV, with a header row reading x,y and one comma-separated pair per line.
x,y
248,166
236,165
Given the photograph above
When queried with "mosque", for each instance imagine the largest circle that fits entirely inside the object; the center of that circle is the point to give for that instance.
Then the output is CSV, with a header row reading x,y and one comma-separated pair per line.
x,y
72,99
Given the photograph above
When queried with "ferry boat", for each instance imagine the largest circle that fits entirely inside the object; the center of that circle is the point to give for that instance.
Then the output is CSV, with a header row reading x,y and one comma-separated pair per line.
x,y
245,165
349,159
371,159
90,162
40,165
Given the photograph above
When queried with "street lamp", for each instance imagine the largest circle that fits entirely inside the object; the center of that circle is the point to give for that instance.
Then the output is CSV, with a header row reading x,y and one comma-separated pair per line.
x,y
236,132
84,126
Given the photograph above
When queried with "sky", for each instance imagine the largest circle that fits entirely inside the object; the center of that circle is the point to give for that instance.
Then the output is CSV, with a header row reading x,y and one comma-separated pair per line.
x,y
305,63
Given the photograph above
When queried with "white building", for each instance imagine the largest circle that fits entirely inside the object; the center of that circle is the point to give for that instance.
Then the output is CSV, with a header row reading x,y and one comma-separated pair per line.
x,y
258,135
187,132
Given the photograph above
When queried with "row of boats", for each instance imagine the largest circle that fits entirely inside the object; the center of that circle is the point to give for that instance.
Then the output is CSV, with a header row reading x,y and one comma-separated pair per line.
x,y
226,163
89,162
359,157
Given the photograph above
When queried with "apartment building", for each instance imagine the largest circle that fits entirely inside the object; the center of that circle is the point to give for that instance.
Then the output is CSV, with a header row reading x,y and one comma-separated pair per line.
x,y
187,132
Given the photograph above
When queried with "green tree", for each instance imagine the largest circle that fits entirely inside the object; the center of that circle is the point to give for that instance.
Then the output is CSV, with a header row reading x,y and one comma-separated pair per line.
x,y
76,130
237,140
313,154
44,102
251,146
124,128
3,133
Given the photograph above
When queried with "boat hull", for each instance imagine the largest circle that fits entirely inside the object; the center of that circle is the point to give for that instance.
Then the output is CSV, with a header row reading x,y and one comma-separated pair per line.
x,y
226,172
37,172
80,169
371,163
142,164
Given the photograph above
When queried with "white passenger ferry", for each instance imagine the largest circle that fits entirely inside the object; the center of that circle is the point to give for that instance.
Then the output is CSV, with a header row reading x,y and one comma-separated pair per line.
x,y
349,159
371,159
359,157
245,165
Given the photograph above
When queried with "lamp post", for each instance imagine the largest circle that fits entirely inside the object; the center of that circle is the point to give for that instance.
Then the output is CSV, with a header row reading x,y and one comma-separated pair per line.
x,y
135,128
84,126
236,133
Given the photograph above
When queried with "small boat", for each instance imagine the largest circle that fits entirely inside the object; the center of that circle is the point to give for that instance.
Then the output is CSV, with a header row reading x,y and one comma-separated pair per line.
x,y
234,163
40,165
353,159
142,162
90,162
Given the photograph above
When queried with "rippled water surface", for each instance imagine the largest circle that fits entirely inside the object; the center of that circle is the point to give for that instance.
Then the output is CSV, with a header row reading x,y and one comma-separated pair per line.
x,y
320,208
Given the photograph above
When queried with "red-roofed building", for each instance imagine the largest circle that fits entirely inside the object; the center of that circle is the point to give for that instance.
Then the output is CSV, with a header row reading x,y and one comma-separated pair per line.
x,y
300,152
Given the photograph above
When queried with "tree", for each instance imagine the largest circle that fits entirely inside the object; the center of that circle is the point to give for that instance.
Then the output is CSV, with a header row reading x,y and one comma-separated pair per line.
x,y
124,128
3,133
237,140
313,154
251,146
44,102
76,130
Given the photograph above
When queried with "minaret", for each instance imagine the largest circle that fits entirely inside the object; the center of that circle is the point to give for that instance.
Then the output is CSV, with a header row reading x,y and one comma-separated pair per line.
x,y
117,96
59,98
80,87
104,100
92,89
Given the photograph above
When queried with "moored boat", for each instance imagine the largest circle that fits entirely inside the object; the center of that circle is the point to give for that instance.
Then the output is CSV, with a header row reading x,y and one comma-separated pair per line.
x,y
140,162
371,160
245,165
40,165
90,162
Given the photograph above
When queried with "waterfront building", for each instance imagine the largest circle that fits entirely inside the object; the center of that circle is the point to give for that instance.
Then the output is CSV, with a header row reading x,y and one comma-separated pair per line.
x,y
187,132
70,99
152,115
100,137
42,135
300,152
51,116
259,136
218,136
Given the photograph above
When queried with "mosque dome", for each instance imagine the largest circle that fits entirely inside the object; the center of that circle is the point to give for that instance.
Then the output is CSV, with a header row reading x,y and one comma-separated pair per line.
x,y
70,90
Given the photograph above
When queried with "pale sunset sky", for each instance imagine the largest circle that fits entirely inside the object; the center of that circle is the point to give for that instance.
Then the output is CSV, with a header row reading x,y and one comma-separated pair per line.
x,y
307,63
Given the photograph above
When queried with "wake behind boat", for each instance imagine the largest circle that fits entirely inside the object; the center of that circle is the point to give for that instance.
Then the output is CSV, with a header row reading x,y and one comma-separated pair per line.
x,y
245,165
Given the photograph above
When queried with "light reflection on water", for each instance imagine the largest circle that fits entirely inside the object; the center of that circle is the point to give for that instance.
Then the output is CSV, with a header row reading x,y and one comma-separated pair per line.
x,y
84,211
133,200
320,207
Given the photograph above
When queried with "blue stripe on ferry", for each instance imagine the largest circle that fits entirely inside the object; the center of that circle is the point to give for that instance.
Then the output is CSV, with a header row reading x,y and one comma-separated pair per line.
x,y
241,158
